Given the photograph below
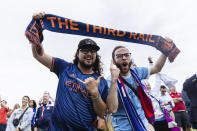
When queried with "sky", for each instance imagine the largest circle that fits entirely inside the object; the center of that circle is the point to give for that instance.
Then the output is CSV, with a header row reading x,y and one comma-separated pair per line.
x,y
22,75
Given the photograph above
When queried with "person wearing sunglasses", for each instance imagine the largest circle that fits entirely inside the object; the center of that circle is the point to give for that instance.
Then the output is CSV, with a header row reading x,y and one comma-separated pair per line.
x,y
81,92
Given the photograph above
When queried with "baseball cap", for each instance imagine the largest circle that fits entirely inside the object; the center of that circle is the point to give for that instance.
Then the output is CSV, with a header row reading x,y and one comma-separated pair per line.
x,y
88,43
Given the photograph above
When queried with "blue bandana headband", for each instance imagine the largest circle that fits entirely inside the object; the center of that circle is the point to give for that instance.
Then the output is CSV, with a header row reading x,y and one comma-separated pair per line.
x,y
64,25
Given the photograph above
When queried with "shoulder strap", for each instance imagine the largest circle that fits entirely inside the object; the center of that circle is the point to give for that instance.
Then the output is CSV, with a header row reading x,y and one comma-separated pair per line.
x,y
162,109
130,86
23,113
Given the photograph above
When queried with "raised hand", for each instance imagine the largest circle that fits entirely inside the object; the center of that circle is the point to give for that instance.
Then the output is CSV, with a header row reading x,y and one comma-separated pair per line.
x,y
39,15
115,71
168,44
168,39
91,85
16,106
150,59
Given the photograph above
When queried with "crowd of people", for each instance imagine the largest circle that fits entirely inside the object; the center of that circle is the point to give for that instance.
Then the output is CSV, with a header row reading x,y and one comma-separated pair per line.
x,y
85,100
27,117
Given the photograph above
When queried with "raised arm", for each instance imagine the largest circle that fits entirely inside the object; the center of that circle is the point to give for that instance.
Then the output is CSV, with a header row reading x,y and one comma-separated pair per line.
x,y
158,65
16,106
44,59
38,52
160,62
112,99
53,99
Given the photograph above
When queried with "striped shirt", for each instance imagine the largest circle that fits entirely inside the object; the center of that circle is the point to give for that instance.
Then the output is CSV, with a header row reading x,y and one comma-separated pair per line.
x,y
73,106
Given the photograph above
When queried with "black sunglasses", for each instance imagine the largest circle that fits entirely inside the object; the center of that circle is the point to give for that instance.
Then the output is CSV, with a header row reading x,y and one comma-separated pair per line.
x,y
86,50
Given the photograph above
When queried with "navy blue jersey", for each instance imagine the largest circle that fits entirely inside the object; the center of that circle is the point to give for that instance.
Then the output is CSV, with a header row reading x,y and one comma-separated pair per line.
x,y
73,109
43,116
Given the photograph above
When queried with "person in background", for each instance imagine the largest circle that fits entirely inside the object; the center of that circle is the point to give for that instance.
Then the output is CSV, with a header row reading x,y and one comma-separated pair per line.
x,y
166,100
160,123
33,105
187,103
50,98
25,121
43,115
190,87
181,116
3,114
16,106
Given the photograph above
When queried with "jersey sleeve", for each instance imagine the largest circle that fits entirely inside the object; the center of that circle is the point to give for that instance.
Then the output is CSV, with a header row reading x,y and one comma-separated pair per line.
x,y
108,79
105,90
58,65
142,72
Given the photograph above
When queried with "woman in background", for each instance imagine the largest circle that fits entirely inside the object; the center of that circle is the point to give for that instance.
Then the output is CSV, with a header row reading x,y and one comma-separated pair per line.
x,y
33,105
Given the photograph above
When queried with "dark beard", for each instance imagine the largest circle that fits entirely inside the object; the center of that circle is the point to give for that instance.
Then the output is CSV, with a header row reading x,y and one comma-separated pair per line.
x,y
85,65
121,70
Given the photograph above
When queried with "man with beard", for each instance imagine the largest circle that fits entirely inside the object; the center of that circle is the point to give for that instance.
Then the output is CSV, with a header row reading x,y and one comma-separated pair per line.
x,y
121,65
82,92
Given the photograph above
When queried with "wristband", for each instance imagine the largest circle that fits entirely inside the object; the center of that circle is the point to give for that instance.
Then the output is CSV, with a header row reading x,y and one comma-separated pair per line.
x,y
96,99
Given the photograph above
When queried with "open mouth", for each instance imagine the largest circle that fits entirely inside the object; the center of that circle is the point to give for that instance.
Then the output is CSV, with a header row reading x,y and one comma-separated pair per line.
x,y
124,64
88,58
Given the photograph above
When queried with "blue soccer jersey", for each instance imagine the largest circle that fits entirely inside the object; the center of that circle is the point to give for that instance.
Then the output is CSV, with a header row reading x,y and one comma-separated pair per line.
x,y
73,109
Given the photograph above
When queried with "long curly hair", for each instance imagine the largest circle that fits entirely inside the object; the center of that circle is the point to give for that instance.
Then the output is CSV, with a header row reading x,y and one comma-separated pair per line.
x,y
34,104
97,66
